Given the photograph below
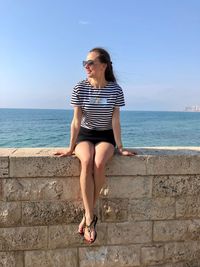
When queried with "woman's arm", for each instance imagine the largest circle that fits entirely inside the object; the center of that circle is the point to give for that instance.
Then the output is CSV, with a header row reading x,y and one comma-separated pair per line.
x,y
75,127
117,133
117,127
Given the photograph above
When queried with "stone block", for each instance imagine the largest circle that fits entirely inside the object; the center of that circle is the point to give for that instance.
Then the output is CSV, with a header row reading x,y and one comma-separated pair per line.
x,y
120,165
10,214
176,185
4,161
151,209
192,263
177,264
152,254
1,189
48,213
193,230
23,238
127,187
188,207
4,167
174,230
41,189
129,233
114,210
12,259
6,152
182,251
110,256
52,258
61,236
22,165
173,164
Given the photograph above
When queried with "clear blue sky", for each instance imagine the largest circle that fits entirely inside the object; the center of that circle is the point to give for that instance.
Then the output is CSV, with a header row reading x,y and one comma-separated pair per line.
x,y
154,44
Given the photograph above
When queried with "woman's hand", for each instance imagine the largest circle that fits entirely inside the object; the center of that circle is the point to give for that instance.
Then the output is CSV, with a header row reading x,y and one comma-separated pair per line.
x,y
64,153
125,152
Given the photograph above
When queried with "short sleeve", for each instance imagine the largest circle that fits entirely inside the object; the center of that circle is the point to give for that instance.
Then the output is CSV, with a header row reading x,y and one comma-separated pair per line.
x,y
75,98
120,98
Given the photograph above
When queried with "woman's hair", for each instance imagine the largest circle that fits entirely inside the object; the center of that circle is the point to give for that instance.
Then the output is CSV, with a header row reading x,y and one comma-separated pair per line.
x,y
104,57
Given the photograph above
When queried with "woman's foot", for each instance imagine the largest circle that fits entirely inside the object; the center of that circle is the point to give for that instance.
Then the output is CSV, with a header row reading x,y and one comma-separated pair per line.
x,y
81,227
90,233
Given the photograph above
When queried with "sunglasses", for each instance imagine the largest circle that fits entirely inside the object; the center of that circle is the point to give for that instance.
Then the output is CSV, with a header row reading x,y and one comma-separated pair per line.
x,y
88,62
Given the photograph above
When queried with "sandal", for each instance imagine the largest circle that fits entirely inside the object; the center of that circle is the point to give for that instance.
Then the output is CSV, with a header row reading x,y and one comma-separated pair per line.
x,y
91,227
81,229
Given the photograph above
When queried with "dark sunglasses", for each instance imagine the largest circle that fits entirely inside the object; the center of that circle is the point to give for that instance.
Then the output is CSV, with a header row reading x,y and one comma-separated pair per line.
x,y
88,62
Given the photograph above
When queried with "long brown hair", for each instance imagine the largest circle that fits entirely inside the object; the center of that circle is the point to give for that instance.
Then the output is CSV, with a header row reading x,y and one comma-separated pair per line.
x,y
104,57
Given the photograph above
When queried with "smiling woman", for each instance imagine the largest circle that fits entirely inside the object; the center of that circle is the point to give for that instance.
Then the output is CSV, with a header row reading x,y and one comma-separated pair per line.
x,y
95,131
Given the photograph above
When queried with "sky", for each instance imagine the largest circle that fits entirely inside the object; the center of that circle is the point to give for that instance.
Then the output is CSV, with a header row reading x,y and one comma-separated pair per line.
x,y
154,46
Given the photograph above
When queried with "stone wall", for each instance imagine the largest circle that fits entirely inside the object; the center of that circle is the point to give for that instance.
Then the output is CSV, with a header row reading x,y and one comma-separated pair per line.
x,y
149,210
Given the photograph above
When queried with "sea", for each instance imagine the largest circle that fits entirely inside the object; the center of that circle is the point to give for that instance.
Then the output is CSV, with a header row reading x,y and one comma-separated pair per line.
x,y
51,128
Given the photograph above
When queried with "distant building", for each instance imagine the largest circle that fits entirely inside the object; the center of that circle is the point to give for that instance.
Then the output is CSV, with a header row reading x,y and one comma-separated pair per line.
x,y
194,108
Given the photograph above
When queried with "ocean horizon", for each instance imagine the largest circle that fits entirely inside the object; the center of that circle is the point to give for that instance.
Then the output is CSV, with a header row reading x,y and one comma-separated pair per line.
x,y
33,127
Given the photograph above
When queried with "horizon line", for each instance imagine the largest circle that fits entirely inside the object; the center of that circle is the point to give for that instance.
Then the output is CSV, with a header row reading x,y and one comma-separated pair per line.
x,y
121,110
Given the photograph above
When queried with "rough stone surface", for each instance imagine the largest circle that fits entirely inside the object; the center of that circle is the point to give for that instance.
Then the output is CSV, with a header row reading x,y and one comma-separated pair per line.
x,y
41,189
4,164
175,185
152,209
188,207
120,165
6,152
173,164
114,210
176,230
1,189
10,214
182,251
192,263
11,259
131,187
169,230
152,255
4,161
148,211
52,258
48,213
110,256
42,166
23,238
129,233
61,236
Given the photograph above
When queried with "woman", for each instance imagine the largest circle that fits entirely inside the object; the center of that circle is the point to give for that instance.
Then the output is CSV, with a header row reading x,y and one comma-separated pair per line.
x,y
95,131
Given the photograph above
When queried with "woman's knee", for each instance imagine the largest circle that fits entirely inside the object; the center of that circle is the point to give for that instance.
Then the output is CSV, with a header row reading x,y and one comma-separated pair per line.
x,y
87,162
99,164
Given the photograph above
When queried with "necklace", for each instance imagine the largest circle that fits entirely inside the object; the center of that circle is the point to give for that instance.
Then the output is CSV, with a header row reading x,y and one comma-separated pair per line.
x,y
100,86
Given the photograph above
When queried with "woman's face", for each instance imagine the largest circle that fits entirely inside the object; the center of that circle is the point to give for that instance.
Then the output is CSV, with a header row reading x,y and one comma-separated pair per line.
x,y
94,68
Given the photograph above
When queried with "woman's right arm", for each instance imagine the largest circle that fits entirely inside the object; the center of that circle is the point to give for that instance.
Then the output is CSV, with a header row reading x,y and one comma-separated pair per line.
x,y
75,127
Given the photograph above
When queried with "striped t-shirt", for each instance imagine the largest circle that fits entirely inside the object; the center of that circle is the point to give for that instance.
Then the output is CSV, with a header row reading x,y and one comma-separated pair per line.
x,y
97,104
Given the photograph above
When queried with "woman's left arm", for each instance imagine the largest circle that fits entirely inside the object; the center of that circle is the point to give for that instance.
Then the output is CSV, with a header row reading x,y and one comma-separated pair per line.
x,y
117,133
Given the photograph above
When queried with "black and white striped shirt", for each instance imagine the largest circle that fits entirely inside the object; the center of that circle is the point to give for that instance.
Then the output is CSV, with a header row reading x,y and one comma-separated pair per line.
x,y
97,104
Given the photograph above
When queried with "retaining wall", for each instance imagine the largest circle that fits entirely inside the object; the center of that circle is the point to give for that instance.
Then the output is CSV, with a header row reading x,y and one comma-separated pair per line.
x,y
149,210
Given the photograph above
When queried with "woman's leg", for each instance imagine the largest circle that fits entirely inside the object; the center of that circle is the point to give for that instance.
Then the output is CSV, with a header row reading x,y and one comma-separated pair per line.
x,y
85,152
103,152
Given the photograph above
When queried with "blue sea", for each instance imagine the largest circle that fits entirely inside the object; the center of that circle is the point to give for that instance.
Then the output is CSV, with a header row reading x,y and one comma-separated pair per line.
x,y
51,128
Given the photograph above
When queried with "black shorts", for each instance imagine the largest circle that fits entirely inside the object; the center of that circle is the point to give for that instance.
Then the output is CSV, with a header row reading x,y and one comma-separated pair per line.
x,y
95,136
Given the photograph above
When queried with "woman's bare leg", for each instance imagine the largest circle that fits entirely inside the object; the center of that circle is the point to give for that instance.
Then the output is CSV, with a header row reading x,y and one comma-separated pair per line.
x,y
103,152
85,152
